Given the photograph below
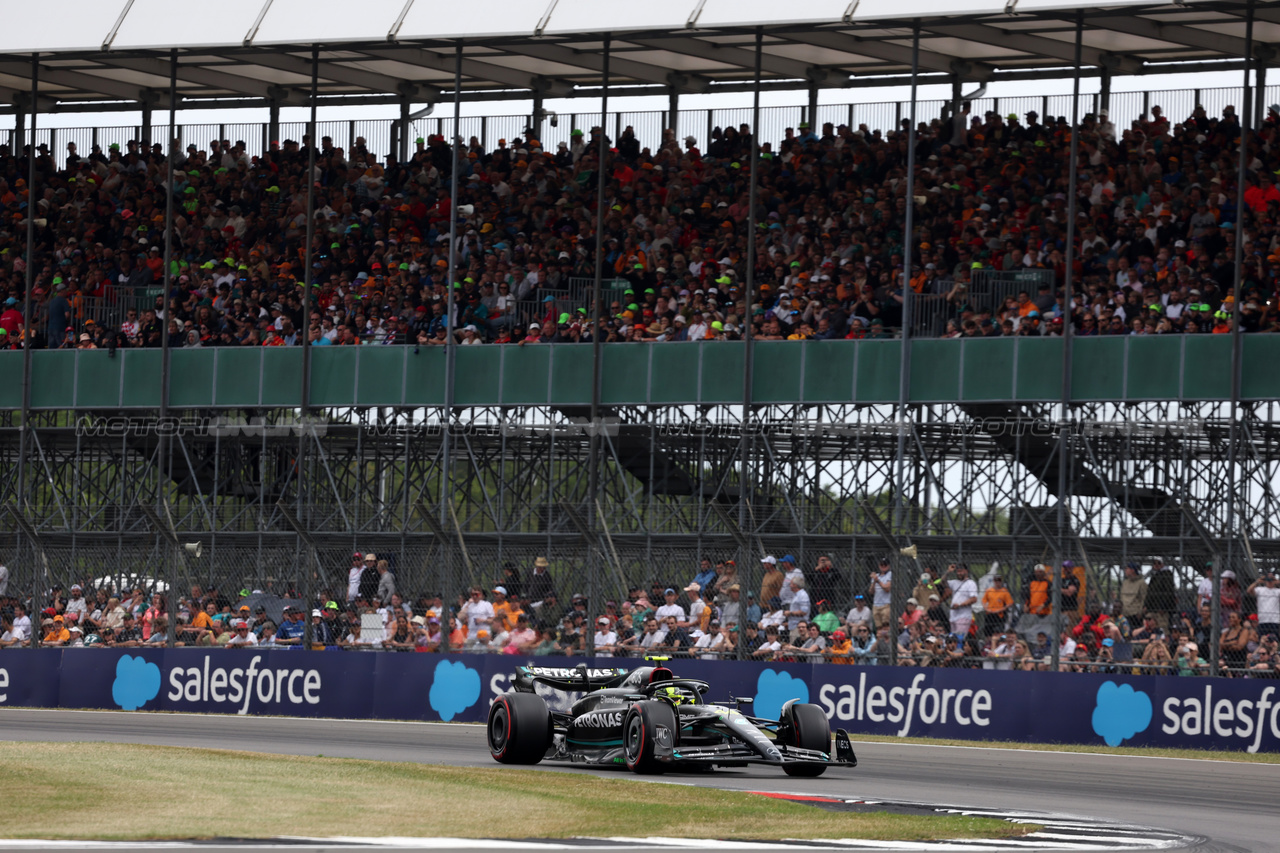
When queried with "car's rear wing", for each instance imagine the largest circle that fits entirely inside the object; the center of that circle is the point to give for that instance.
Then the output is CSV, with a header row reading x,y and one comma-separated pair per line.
x,y
580,677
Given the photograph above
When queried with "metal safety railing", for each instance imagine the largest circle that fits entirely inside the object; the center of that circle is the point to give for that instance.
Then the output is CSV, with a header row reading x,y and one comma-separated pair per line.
x,y
648,125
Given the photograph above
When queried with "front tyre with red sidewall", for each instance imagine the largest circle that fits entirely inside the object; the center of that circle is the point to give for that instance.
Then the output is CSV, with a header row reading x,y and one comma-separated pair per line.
x,y
640,731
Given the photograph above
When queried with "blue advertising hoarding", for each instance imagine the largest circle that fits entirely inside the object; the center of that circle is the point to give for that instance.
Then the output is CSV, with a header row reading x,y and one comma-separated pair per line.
x,y
1037,707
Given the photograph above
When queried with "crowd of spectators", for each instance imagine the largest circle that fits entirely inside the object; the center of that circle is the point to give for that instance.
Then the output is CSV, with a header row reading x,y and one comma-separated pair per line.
x,y
1155,254
1146,623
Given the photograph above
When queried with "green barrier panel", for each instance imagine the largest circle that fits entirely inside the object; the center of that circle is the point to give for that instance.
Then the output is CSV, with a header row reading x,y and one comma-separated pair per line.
x,y
479,373
987,371
53,379
1260,379
674,373
1097,368
98,379
776,375
878,371
723,363
11,390
1037,369
379,375
1155,367
141,378
828,371
1206,368
935,370
282,376
425,376
238,376
525,373
1190,367
191,378
333,376
571,374
626,373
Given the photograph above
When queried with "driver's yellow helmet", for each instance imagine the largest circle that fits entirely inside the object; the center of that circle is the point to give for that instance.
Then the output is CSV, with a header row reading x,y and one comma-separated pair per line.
x,y
675,695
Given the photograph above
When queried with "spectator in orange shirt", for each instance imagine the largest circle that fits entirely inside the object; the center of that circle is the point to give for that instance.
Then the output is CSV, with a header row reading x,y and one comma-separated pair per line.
x,y
996,601
1038,601
56,633
840,650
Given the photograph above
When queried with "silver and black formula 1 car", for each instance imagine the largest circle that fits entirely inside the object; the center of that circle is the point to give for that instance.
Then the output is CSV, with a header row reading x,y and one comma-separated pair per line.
x,y
651,721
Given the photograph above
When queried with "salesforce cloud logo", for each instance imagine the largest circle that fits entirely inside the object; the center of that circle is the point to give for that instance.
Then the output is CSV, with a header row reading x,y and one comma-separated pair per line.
x,y
773,689
137,683
1120,713
454,688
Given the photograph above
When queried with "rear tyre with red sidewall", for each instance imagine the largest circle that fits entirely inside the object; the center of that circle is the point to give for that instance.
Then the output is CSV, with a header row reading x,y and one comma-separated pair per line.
x,y
519,730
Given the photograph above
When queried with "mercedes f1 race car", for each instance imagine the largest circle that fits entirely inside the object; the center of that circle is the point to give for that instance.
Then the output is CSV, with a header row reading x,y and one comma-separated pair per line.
x,y
650,721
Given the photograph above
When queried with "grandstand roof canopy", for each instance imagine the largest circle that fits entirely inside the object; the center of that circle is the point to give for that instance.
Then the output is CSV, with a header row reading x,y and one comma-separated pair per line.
x,y
103,54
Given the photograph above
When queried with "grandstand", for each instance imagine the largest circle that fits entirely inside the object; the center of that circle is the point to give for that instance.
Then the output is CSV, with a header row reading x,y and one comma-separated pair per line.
x,y
907,329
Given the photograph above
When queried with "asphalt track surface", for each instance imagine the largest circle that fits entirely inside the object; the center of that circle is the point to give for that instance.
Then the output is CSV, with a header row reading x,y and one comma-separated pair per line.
x,y
1233,804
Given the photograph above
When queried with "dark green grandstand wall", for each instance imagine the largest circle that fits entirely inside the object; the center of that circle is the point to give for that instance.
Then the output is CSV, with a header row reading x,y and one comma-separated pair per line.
x,y
1174,367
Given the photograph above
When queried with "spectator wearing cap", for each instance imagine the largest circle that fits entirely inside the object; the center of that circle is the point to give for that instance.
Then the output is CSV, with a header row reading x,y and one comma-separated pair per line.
x,y
697,607
1133,593
55,631
504,620
540,581
76,603
771,584
241,637
712,642
605,639
670,607
826,620
353,576
731,608
369,579
292,627
859,613
996,601
1038,600
839,649
912,613
937,611
129,634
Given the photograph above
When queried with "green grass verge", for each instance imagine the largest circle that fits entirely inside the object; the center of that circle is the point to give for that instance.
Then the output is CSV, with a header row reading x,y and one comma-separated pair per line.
x,y
1150,752
131,792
